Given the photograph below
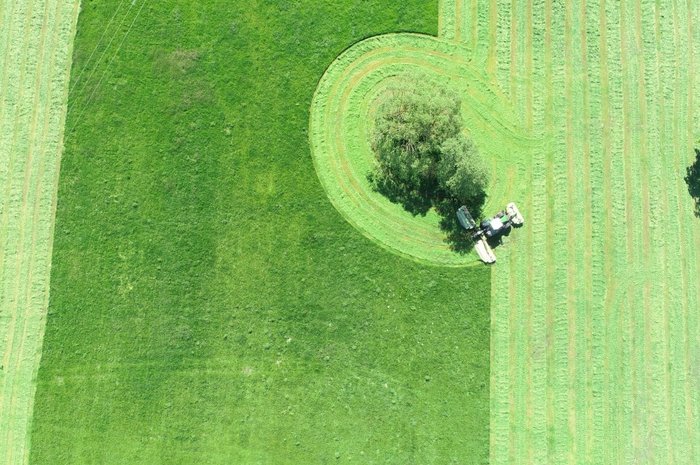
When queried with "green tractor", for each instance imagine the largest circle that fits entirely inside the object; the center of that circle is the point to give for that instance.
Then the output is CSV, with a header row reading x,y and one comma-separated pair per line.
x,y
489,228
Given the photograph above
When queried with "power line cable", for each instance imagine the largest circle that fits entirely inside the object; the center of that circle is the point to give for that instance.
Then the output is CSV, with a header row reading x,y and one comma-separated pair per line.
x,y
104,33
109,63
104,52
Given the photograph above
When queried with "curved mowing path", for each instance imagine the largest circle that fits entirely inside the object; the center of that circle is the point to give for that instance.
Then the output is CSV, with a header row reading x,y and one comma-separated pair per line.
x,y
595,354
35,52
341,114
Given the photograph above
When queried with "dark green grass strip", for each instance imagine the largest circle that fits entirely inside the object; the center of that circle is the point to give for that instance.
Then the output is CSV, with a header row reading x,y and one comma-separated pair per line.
x,y
208,304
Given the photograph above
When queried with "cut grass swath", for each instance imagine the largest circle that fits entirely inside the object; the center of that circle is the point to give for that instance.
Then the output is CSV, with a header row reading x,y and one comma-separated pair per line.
x,y
615,244
35,49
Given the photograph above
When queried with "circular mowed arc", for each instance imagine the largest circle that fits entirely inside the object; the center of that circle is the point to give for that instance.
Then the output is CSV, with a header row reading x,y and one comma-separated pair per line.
x,y
341,117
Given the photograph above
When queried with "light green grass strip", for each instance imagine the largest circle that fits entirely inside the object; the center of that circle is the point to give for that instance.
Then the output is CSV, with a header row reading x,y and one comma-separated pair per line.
x,y
613,237
35,52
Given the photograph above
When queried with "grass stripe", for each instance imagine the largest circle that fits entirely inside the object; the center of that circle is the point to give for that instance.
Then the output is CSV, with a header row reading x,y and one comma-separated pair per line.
x,y
655,324
597,199
539,237
37,51
447,28
686,142
667,257
693,243
676,326
635,304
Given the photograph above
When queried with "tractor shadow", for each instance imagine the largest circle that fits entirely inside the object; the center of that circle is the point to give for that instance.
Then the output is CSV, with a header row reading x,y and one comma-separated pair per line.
x,y
692,179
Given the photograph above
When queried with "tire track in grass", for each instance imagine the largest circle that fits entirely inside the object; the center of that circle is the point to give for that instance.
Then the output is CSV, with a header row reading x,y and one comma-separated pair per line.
x,y
614,244
507,276
17,174
645,334
680,350
693,330
594,290
537,237
560,344
549,250
570,303
520,78
658,209
608,245
507,382
508,440
627,367
655,439
582,386
676,327
535,376
511,358
506,367
502,338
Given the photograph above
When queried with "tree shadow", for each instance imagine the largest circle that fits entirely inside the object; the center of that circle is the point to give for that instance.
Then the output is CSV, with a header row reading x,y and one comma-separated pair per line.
x,y
415,201
692,179
420,201
459,240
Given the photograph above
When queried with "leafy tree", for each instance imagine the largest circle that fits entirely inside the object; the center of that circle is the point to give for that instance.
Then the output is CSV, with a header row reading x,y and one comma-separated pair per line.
x,y
423,157
693,180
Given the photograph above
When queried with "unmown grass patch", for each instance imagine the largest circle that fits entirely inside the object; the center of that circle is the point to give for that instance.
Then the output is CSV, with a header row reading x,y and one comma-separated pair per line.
x,y
208,304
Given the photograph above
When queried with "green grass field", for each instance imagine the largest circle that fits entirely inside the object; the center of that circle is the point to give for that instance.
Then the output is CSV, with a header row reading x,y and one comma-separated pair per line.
x,y
35,51
208,303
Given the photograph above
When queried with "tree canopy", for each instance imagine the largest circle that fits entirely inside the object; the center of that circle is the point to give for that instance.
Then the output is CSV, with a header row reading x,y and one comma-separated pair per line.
x,y
693,180
424,158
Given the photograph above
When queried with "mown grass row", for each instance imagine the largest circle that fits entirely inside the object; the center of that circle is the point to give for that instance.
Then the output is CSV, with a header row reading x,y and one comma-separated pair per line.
x,y
686,342
608,81
35,46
